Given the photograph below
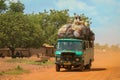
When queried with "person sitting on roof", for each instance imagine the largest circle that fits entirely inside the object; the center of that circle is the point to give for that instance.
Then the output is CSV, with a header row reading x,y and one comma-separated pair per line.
x,y
78,20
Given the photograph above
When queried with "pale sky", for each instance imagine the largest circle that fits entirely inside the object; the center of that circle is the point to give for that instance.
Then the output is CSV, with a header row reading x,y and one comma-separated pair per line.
x,y
105,15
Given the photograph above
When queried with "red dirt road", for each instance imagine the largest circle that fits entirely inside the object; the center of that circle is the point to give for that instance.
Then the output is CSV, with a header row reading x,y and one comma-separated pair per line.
x,y
105,67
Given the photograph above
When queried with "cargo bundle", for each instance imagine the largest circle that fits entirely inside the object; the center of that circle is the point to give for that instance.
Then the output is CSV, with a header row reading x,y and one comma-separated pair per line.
x,y
77,29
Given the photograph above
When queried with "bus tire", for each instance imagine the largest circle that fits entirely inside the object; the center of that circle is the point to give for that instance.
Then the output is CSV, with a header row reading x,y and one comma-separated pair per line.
x,y
82,66
57,67
88,66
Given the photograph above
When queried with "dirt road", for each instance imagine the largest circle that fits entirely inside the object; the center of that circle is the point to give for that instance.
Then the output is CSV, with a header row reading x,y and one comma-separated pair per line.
x,y
105,67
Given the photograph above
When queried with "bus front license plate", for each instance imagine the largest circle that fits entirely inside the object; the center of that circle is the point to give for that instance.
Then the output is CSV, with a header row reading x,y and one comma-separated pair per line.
x,y
67,63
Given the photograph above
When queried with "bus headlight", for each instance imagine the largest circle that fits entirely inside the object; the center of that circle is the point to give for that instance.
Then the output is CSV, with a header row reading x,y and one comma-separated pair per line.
x,y
77,59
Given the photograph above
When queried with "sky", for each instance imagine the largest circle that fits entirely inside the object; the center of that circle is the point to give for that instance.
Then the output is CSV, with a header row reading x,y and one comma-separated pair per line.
x,y
105,15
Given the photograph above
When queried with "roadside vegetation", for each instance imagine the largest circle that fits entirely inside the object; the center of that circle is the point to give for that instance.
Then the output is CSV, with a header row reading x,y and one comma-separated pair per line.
x,y
106,47
16,71
20,30
21,64
102,46
27,61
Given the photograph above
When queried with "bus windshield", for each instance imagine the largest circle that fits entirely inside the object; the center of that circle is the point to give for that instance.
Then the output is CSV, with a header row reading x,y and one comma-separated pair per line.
x,y
77,46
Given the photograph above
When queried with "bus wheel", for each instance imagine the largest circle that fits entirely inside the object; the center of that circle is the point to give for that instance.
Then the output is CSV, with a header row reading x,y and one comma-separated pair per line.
x,y
57,67
82,67
88,66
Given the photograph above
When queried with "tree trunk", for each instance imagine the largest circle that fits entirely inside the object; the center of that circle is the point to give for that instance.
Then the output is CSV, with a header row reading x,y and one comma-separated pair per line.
x,y
12,49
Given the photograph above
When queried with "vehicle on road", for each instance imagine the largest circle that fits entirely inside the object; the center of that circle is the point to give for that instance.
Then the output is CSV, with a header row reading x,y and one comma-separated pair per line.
x,y
74,53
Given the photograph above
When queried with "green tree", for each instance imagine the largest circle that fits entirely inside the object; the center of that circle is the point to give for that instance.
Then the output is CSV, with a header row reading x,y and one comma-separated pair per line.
x,y
54,21
86,19
17,30
50,22
3,6
16,7
115,47
29,30
97,45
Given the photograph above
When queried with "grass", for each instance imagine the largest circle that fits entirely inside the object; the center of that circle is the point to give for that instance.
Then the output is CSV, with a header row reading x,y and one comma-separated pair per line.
x,y
19,70
1,73
16,60
25,61
16,71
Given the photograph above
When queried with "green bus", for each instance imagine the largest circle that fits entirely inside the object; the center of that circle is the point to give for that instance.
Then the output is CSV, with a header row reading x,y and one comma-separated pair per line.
x,y
74,53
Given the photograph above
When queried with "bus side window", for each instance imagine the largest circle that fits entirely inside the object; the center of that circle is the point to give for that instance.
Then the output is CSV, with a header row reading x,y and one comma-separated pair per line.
x,y
91,44
87,44
84,46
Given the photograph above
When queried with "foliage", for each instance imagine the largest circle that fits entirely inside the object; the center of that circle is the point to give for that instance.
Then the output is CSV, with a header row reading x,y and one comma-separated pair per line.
x,y
30,30
16,7
115,47
25,61
106,46
3,6
18,31
86,19
50,22
16,71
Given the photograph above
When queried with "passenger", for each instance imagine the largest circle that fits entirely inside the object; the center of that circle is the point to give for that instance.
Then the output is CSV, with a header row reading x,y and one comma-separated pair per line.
x,y
76,20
